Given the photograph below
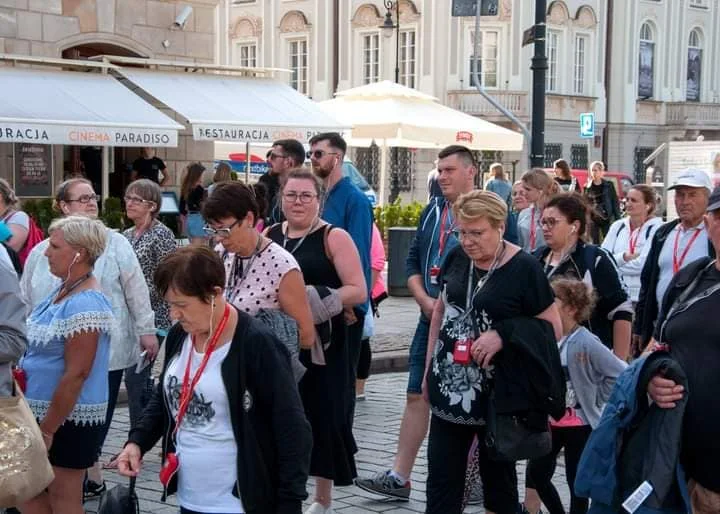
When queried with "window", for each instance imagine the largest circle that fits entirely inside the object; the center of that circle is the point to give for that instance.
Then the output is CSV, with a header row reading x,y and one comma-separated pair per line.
x,y
247,55
299,65
553,152
646,62
551,50
407,58
487,65
699,3
579,67
371,58
694,66
641,153
579,157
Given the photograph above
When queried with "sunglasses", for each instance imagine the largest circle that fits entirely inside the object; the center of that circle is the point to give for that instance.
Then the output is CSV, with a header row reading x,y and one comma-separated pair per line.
x,y
273,155
318,154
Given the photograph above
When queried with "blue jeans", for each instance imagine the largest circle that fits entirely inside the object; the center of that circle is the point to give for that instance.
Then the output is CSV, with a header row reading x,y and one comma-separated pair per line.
x,y
418,351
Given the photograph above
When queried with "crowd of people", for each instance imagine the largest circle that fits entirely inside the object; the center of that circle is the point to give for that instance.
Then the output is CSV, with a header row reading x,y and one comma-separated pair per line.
x,y
533,299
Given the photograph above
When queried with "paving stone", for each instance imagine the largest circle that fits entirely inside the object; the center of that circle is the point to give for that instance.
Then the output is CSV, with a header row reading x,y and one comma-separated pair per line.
x,y
376,428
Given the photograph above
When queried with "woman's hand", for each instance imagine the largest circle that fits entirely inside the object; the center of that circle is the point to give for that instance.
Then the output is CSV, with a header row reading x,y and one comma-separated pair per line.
x,y
149,343
47,439
485,347
129,460
665,392
627,256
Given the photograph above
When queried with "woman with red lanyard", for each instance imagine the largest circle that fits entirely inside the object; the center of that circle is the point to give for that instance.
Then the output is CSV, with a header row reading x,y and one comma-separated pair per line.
x,y
539,187
234,434
627,236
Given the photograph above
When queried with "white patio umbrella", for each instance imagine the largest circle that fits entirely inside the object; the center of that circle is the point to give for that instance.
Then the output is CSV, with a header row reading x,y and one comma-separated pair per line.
x,y
397,116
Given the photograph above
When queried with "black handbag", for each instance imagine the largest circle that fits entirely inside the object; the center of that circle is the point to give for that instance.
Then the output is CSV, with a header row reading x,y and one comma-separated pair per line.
x,y
120,500
514,437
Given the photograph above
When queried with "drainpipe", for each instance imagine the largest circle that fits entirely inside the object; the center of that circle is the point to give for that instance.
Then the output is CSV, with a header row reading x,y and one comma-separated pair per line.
x,y
608,67
336,46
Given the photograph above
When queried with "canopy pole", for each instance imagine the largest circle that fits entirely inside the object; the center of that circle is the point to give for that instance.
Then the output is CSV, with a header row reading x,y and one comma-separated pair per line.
x,y
247,162
383,172
105,174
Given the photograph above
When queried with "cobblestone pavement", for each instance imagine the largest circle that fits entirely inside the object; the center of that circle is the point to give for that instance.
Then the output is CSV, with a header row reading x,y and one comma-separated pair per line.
x,y
377,421
395,327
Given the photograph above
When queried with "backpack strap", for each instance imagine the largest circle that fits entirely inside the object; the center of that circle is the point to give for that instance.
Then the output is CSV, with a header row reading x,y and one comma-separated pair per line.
x,y
590,253
647,232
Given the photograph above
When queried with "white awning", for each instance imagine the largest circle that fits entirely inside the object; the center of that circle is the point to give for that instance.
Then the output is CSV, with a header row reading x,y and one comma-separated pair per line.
x,y
76,108
233,108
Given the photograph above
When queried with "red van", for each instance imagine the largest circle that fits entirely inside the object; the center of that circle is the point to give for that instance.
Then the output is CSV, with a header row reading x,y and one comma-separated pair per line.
x,y
622,181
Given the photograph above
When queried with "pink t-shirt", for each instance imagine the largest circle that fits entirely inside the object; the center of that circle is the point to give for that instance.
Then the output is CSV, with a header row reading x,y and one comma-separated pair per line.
x,y
377,261
261,283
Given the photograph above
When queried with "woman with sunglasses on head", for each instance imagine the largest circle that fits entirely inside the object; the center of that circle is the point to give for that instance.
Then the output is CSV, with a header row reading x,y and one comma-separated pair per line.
x,y
486,285
259,273
122,281
538,187
330,263
627,236
563,222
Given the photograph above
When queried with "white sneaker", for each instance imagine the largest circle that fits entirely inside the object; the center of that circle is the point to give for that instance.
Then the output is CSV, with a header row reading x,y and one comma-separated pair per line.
x,y
319,508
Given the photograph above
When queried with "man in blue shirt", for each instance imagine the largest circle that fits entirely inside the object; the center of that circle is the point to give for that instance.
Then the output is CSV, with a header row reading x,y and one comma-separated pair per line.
x,y
433,241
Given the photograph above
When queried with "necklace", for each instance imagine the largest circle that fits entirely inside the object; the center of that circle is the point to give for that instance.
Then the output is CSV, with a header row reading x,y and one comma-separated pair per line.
x,y
238,275
72,287
302,239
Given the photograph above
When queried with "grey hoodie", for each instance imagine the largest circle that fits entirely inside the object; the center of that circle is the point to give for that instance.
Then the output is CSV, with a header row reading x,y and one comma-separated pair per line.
x,y
12,323
593,369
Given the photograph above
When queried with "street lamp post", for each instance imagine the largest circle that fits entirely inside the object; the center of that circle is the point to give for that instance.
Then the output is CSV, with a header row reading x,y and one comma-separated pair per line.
x,y
388,27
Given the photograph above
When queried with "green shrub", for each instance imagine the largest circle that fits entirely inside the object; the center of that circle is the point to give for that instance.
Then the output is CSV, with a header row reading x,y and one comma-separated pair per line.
x,y
112,213
41,211
397,215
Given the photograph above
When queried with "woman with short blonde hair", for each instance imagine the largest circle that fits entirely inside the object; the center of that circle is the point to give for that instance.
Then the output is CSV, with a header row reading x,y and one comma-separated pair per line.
x,y
485,281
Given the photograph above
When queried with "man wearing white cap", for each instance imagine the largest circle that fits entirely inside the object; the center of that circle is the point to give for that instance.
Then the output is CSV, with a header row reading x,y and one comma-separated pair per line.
x,y
675,244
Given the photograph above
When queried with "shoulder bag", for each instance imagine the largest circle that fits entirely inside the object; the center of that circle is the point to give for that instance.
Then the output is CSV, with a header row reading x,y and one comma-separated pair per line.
x,y
25,470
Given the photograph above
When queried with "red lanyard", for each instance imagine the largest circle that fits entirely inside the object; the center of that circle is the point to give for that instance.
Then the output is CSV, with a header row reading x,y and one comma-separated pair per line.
x,y
188,386
677,264
633,241
533,228
443,232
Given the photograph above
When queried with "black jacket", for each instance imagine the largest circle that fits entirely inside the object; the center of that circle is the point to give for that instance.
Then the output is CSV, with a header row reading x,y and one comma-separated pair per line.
x,y
609,200
528,375
613,301
647,309
272,434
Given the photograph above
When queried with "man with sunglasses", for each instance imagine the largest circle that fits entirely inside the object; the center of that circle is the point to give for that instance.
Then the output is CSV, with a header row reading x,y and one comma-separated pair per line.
x,y
284,155
433,241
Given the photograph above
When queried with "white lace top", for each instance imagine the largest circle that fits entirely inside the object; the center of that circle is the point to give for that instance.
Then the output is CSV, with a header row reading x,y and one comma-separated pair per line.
x,y
123,283
48,328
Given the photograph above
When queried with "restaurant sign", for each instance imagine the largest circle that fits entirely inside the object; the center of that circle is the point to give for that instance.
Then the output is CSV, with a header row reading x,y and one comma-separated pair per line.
x,y
86,136
254,134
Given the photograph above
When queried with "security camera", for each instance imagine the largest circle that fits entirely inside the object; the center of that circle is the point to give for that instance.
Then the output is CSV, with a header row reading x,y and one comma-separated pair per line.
x,y
182,18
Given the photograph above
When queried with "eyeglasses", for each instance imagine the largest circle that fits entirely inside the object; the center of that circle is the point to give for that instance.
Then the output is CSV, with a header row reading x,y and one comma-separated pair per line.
x,y
273,155
220,232
85,199
318,154
136,199
471,235
292,197
549,222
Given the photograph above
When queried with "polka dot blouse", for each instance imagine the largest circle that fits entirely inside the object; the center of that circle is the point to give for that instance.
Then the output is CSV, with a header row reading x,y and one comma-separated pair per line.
x,y
257,287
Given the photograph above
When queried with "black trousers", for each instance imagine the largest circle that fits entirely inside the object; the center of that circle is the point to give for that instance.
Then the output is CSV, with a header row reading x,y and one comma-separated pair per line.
x,y
363,367
448,447
541,470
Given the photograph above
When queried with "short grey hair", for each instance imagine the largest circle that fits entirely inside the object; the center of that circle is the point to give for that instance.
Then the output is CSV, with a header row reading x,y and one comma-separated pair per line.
x,y
83,232
147,190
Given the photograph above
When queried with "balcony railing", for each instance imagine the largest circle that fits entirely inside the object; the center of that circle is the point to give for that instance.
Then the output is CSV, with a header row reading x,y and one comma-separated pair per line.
x,y
471,102
693,115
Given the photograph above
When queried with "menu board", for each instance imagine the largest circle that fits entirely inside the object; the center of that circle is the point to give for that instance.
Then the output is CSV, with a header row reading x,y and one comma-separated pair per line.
x,y
33,170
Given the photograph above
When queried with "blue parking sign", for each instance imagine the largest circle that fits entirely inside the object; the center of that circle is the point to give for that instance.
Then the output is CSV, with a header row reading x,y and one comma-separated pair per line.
x,y
587,125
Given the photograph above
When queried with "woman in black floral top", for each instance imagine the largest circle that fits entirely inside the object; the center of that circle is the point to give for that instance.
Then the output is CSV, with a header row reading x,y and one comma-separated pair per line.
x,y
150,239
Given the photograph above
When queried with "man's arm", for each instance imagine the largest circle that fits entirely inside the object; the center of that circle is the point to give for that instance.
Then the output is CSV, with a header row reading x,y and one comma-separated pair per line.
x,y
164,173
424,300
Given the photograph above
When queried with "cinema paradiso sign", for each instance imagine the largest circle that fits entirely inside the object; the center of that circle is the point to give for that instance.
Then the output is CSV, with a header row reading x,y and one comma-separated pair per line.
x,y
84,136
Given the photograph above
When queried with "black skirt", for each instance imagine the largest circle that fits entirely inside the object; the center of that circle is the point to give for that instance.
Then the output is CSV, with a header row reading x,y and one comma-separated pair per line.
x,y
76,446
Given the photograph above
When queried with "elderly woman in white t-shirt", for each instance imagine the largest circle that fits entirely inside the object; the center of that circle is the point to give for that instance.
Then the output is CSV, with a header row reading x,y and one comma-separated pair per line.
x,y
122,281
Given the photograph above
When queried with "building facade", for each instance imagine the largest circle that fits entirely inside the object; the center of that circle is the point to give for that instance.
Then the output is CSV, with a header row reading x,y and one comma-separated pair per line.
x,y
331,45
78,29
